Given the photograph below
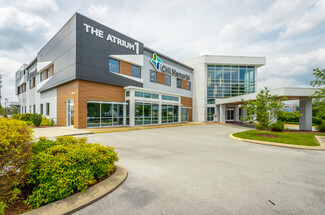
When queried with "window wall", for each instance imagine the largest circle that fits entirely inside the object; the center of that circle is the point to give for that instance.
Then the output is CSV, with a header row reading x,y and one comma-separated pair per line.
x,y
146,113
169,113
104,114
210,113
226,81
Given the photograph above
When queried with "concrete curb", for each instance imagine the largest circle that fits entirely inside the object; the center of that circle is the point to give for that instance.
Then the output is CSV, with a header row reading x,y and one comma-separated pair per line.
x,y
319,139
110,130
80,200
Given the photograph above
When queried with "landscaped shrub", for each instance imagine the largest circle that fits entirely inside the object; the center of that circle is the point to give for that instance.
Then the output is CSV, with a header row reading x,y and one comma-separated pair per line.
x,y
317,121
16,116
277,126
26,117
288,116
321,127
15,157
46,121
65,166
37,119
260,127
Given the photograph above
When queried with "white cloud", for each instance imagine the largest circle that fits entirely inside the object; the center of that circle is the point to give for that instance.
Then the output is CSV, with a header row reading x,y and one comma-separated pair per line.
x,y
19,28
39,7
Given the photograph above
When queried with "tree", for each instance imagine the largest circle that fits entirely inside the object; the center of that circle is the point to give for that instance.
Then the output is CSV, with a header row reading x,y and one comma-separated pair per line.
x,y
319,95
1,109
265,108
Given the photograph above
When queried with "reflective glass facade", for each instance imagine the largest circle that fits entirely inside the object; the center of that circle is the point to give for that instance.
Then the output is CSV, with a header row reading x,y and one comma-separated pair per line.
x,y
226,81
104,114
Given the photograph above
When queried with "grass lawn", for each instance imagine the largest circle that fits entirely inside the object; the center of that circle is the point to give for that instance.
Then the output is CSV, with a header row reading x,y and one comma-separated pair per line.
x,y
283,137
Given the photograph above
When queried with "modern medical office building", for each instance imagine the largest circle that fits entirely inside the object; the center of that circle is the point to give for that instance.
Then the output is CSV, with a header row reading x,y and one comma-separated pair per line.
x,y
89,75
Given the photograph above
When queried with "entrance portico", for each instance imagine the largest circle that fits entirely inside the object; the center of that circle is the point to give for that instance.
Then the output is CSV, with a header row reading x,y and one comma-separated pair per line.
x,y
228,109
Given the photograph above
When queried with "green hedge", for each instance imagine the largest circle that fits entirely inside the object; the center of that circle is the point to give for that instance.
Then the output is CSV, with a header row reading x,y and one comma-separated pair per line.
x,y
65,166
33,119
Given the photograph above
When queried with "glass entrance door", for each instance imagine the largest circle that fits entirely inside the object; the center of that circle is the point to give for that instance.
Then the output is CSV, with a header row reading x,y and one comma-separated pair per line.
x,y
70,112
210,113
230,114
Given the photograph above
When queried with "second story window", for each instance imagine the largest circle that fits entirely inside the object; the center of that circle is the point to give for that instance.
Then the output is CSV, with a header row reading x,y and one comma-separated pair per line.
x,y
189,87
114,65
136,71
179,83
153,76
47,74
167,80
41,77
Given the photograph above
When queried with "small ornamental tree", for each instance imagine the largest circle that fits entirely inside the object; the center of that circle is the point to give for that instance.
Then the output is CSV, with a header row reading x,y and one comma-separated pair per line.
x,y
319,96
265,108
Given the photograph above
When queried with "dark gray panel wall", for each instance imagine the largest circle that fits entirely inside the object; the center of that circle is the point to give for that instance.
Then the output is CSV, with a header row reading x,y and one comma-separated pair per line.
x,y
93,54
61,49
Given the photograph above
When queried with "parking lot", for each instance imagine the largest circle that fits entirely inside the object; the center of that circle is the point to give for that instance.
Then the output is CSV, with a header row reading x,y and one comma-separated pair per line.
x,y
198,169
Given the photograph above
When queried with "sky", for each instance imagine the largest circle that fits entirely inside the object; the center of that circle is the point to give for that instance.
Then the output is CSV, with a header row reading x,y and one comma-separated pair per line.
x,y
289,33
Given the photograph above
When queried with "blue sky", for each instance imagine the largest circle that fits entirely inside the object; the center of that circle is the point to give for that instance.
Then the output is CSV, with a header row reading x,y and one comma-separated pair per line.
x,y
289,33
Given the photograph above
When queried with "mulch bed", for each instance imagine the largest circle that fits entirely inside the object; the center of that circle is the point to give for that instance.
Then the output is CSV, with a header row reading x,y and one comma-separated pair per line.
x,y
20,207
267,135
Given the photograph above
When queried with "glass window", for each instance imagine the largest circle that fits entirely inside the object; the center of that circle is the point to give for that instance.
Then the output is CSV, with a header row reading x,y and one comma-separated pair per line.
x,y
184,115
47,108
167,80
164,97
147,114
47,74
147,95
175,113
170,98
34,82
127,93
153,76
154,114
41,77
189,86
175,99
170,113
210,113
234,72
114,65
41,109
164,114
242,72
136,71
179,83
138,94
155,96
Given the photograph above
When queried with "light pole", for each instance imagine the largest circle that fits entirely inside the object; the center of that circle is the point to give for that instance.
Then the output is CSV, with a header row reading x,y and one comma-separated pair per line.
x,y
6,101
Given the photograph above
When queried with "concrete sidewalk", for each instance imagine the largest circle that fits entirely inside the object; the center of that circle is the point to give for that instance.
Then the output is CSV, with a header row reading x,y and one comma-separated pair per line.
x,y
58,131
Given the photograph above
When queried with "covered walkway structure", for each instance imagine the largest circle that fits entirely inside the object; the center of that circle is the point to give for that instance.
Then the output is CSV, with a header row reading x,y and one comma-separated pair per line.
x,y
229,109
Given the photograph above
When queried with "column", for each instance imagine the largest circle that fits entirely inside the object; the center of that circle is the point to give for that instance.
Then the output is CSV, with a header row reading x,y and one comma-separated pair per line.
x,y
179,113
222,113
159,113
237,113
217,113
132,108
305,110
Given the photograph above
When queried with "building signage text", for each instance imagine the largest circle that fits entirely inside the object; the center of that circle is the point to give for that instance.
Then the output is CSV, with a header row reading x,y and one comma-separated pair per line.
x,y
113,39
157,63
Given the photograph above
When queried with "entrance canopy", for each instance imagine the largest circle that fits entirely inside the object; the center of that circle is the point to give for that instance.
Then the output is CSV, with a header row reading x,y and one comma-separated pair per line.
x,y
292,93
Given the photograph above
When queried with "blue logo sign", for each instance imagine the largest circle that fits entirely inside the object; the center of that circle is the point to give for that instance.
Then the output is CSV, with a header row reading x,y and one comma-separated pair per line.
x,y
156,61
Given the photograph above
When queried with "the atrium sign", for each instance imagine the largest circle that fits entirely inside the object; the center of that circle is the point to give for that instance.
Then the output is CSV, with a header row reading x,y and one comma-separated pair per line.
x,y
159,66
113,39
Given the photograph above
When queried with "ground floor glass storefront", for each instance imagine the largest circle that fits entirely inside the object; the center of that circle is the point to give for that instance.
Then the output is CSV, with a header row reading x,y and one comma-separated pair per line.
x,y
184,115
104,114
146,113
169,113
